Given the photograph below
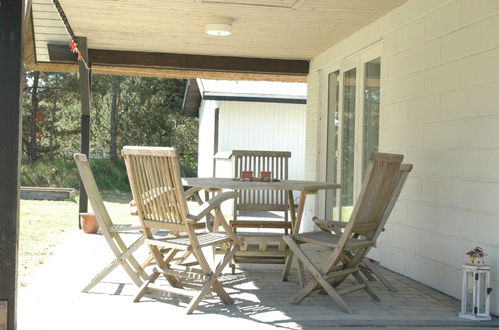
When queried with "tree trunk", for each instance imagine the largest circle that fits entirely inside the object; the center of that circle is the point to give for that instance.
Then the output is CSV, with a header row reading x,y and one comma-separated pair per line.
x,y
52,129
33,153
115,92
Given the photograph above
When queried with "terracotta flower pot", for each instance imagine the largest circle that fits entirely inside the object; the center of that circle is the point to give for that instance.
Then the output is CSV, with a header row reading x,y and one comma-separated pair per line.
x,y
89,223
266,176
247,175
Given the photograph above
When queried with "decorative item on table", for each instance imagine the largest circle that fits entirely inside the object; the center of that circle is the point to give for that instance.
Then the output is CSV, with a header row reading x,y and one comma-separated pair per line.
x,y
247,175
477,256
475,300
266,176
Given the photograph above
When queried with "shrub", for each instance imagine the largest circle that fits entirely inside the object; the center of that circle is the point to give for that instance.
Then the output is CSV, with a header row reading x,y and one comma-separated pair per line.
x,y
63,173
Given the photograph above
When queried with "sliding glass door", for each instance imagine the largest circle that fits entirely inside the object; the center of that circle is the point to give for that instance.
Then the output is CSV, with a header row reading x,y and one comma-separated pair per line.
x,y
348,143
353,103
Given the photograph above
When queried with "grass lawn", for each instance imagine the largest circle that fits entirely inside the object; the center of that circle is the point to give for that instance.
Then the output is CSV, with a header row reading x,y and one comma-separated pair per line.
x,y
43,224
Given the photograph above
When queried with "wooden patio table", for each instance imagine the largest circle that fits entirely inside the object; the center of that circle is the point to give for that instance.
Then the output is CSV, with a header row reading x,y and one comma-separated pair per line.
x,y
304,187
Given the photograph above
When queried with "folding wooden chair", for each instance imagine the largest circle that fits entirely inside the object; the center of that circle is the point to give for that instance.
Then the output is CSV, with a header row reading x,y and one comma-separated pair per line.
x,y
110,231
347,252
367,266
160,199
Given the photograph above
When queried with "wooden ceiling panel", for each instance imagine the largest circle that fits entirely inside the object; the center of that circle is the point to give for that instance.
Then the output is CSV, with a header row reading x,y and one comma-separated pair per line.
x,y
255,3
284,29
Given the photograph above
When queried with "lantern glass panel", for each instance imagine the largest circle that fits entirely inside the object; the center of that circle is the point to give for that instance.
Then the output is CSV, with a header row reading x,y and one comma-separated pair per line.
x,y
482,293
469,292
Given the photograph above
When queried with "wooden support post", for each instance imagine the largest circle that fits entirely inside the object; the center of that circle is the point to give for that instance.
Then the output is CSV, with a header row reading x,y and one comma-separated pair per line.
x,y
85,75
11,71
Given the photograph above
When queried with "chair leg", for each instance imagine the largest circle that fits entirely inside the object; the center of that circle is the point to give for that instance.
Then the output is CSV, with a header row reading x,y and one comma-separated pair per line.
x,y
368,288
137,268
366,272
136,274
373,267
183,258
164,263
287,266
212,281
143,289
317,278
218,270
101,275
301,273
148,261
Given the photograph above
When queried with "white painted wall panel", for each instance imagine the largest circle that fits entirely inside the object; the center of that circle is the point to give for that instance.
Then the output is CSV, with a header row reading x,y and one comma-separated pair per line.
x,y
206,138
265,126
440,108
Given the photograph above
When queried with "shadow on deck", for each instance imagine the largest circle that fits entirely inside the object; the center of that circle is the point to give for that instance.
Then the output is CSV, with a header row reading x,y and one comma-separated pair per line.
x,y
52,300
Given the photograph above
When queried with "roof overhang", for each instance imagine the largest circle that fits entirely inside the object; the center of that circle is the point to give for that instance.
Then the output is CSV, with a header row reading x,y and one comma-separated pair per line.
x,y
241,91
272,40
254,98
192,99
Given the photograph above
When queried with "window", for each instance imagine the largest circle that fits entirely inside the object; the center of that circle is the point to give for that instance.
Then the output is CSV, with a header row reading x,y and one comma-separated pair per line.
x,y
370,138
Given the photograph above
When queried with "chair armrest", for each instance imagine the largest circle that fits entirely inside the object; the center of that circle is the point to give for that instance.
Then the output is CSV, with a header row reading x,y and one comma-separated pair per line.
x,y
192,191
188,193
211,204
329,226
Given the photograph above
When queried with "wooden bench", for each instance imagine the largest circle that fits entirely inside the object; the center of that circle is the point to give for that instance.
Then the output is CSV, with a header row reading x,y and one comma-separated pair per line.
x,y
47,193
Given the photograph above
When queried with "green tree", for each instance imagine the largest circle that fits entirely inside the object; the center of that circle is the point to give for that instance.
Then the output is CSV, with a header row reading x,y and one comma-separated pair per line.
x,y
125,110
50,126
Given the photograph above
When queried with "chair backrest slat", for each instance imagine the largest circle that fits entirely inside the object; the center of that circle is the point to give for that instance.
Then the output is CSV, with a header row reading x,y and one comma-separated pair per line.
x,y
257,161
377,191
156,185
403,173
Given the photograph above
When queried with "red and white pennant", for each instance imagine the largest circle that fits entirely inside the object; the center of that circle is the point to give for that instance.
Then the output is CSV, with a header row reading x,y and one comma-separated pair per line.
x,y
74,49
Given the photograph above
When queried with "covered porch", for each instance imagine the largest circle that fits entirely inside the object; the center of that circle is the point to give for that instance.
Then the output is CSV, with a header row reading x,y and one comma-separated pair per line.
x,y
438,106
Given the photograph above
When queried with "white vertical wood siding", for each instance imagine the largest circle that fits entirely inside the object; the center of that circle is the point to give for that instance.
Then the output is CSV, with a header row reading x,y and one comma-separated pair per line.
x,y
439,107
265,126
205,140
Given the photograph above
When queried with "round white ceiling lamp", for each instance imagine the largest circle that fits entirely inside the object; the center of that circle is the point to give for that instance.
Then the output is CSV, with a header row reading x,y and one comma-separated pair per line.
x,y
219,26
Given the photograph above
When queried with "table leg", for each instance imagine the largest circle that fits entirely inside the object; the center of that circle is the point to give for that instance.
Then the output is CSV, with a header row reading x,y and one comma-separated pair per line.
x,y
292,211
295,225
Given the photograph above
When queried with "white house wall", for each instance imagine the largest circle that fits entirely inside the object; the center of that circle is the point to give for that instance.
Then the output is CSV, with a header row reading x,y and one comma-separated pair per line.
x,y
206,138
440,108
264,126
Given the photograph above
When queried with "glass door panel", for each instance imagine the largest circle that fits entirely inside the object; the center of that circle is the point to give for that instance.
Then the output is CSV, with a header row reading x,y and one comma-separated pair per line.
x,y
370,142
348,144
352,109
332,207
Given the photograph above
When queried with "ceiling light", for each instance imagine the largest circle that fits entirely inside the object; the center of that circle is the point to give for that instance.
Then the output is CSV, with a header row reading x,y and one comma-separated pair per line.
x,y
219,26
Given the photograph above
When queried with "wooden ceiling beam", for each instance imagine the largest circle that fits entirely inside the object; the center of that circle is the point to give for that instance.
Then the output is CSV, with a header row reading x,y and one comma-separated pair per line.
x,y
62,54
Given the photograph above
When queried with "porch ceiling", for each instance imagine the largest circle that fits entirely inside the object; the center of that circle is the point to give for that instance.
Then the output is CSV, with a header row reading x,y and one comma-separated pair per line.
x,y
284,29
272,29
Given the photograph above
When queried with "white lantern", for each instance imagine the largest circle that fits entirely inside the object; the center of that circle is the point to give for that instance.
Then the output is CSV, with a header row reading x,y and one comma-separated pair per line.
x,y
476,292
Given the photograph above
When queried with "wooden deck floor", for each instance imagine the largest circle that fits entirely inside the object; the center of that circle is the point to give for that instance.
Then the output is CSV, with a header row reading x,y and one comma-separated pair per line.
x,y
52,300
